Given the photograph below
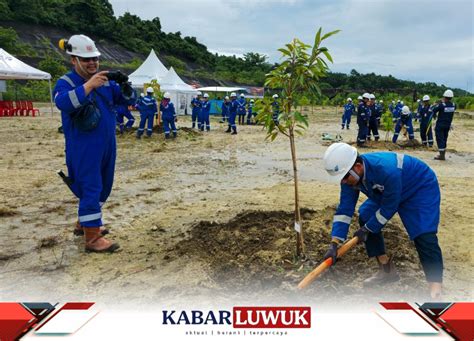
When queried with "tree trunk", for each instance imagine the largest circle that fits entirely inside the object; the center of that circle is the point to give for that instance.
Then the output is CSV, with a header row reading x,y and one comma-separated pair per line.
x,y
299,235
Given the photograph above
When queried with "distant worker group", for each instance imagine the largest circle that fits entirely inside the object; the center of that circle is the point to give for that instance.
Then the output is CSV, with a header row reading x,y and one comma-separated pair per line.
x,y
369,113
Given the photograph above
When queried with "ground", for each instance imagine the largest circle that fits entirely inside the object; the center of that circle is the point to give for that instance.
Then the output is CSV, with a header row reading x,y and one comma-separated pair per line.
x,y
208,217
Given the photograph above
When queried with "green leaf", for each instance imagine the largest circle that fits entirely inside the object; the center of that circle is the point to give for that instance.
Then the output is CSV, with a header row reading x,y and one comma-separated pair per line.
x,y
328,56
327,35
317,40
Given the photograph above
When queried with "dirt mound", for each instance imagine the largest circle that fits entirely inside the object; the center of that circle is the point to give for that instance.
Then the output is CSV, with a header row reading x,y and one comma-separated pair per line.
x,y
387,145
256,250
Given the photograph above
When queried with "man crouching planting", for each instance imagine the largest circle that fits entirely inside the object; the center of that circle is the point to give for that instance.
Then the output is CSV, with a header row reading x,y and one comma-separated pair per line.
x,y
393,183
86,98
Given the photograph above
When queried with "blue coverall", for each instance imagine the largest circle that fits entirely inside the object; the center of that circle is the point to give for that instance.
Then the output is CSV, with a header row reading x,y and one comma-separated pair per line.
x,y
147,108
232,115
90,155
122,111
444,112
276,111
374,122
404,120
349,109
426,118
394,183
241,103
363,116
196,104
204,121
225,110
168,115
397,112
250,113
418,111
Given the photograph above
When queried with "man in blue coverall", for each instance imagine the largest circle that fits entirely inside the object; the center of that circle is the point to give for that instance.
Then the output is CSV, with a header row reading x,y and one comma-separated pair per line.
x,y
204,117
241,111
426,119
444,111
86,99
196,112
276,109
122,111
404,120
363,116
349,109
250,112
373,120
232,114
393,183
147,108
225,109
168,116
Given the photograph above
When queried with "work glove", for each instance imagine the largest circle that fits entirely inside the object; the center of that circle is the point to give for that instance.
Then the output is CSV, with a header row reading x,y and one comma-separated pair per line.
x,y
361,233
331,252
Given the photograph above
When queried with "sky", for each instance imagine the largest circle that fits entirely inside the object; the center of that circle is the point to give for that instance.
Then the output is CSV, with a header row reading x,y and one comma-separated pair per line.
x,y
419,40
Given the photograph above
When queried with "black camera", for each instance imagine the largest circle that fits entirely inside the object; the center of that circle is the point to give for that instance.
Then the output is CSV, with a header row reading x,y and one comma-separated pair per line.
x,y
117,76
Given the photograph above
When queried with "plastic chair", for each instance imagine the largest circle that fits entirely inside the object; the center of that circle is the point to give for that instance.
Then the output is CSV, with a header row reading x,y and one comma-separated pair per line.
x,y
29,108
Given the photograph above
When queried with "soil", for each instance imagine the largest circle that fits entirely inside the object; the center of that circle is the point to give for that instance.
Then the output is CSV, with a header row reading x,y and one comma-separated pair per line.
x,y
208,217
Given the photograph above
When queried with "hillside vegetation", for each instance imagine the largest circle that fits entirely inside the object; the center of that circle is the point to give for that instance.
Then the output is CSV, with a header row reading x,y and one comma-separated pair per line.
x,y
130,38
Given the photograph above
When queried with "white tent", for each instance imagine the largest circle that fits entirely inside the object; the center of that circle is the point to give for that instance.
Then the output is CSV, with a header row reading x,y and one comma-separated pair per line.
x,y
151,68
181,93
13,68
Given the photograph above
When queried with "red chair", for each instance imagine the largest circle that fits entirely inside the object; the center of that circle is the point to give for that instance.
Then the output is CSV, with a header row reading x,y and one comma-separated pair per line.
x,y
29,108
20,108
9,109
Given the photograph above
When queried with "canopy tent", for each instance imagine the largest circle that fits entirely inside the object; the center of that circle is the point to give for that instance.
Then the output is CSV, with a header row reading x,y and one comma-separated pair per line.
x,y
13,68
181,93
151,68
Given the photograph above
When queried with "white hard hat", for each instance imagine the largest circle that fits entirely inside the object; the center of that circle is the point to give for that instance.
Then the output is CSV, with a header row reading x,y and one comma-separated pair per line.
x,y
233,94
405,110
199,93
150,90
360,97
426,98
167,95
393,101
80,45
398,101
339,159
448,93
242,95
366,95
142,94
275,96
418,100
349,99
372,96
226,97
381,101
206,96
251,101
401,102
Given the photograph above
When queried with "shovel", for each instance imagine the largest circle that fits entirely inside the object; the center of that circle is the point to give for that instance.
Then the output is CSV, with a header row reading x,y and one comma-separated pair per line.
x,y
326,264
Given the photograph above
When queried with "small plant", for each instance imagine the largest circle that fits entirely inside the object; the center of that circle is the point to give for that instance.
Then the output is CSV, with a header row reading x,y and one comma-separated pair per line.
x,y
300,72
387,124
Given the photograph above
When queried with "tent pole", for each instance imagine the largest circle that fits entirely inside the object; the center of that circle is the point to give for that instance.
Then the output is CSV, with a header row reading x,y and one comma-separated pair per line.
x,y
50,96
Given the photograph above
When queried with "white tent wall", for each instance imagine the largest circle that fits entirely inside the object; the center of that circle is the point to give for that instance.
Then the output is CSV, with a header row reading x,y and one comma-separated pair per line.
x,y
180,92
13,68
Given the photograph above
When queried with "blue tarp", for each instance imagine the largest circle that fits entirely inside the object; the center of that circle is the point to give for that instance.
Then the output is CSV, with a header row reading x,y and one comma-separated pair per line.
x,y
216,106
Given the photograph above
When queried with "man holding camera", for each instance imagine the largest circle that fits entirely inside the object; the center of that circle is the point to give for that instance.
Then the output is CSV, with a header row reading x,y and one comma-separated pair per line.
x,y
86,98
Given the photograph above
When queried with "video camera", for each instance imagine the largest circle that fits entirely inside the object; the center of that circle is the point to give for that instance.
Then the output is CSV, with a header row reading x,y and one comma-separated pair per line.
x,y
117,76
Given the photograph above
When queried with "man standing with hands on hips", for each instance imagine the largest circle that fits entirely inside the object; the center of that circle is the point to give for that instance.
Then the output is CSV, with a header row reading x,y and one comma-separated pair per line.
x,y
86,98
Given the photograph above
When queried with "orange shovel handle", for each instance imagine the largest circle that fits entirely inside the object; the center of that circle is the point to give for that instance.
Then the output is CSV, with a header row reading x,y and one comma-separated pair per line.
x,y
326,264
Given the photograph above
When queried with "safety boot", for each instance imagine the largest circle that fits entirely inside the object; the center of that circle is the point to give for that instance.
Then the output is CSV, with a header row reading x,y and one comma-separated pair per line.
x,y
79,230
386,274
95,242
441,156
228,130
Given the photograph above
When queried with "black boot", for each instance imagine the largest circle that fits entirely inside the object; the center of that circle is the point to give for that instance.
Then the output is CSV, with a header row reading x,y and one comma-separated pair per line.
x,y
386,274
228,130
441,156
